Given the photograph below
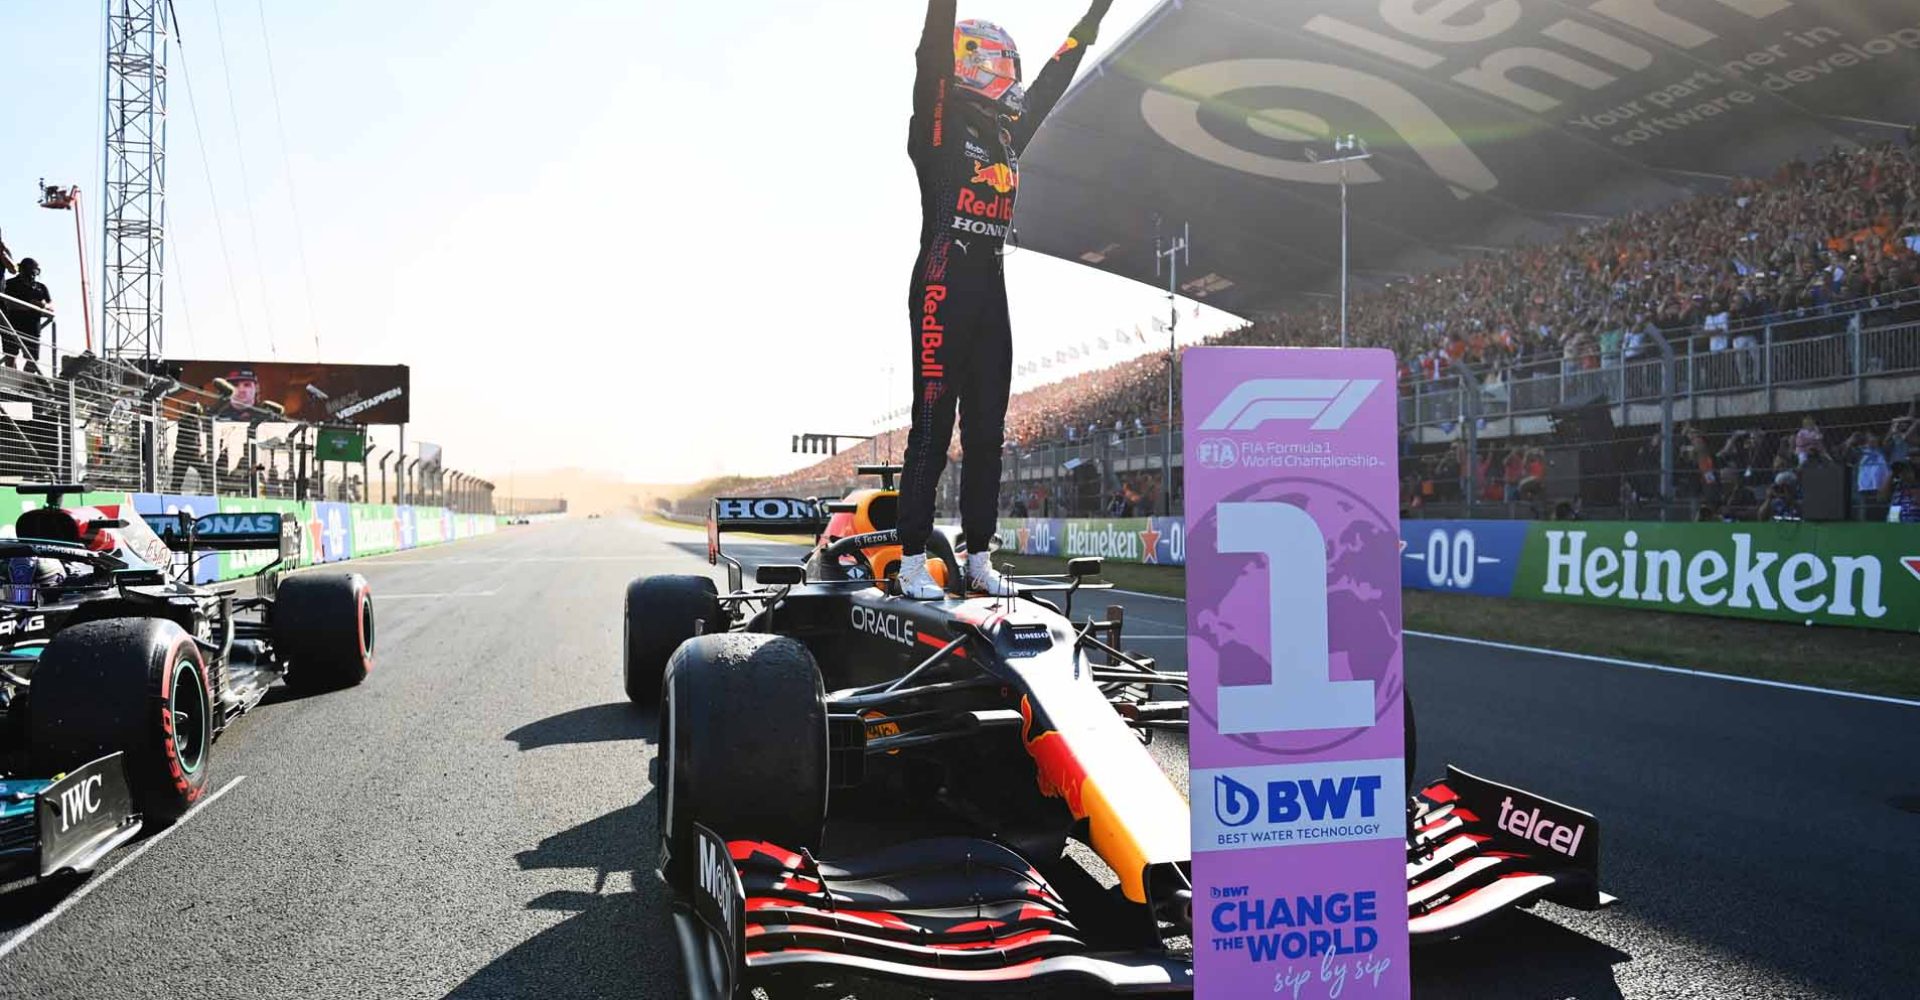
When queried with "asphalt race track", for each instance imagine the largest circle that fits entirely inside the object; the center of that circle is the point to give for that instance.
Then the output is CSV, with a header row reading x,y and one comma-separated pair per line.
x,y
475,820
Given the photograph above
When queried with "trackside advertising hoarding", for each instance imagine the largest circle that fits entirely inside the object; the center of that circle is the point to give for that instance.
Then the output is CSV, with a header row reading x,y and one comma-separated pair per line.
x,y
1297,780
329,532
1853,575
1825,574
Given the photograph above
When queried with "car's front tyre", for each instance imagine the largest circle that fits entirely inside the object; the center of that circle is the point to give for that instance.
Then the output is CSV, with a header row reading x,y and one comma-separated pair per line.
x,y
135,685
743,742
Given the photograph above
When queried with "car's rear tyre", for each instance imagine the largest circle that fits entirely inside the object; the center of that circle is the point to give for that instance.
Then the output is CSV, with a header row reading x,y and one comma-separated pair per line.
x,y
663,612
743,743
323,630
134,685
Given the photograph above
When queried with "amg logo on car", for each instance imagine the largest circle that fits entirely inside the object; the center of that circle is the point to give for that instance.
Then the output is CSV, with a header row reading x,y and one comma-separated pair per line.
x,y
884,624
79,802
1533,825
764,509
21,626
716,880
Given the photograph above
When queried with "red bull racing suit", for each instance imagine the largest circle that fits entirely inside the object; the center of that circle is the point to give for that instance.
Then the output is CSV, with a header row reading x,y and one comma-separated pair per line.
x,y
966,151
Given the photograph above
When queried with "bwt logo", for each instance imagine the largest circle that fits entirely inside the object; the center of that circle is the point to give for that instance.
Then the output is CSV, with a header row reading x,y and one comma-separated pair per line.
x,y
1292,800
1218,453
1327,402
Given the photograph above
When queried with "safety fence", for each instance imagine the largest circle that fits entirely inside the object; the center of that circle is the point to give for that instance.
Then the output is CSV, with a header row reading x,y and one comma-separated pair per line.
x,y
117,427
1854,575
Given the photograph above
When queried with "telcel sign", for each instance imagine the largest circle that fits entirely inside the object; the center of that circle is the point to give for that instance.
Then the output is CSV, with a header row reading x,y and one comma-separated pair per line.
x,y
1293,623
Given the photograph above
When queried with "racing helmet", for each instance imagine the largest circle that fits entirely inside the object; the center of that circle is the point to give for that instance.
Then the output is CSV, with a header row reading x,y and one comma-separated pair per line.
x,y
26,575
987,63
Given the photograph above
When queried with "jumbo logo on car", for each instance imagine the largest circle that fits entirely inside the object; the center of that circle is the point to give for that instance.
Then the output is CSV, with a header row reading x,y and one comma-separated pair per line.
x,y
884,624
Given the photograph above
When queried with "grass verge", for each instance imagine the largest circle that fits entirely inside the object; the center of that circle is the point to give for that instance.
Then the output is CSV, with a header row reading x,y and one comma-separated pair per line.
x,y
1870,662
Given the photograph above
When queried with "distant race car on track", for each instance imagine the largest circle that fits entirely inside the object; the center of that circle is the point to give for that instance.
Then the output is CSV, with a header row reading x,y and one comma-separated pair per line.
x,y
117,673
849,781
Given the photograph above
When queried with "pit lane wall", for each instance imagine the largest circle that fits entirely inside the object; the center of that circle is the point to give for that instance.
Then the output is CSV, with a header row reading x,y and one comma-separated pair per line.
x,y
1851,575
331,531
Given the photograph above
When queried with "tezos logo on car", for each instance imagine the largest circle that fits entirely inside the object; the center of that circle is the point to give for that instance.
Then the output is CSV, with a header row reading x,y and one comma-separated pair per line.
x,y
884,624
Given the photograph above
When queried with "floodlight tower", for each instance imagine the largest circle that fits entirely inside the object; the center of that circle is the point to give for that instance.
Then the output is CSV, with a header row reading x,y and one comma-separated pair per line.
x,y
133,247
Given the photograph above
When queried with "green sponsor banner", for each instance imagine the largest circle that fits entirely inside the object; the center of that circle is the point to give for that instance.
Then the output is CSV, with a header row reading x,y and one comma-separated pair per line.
x,y
1121,539
237,564
340,444
376,529
1858,575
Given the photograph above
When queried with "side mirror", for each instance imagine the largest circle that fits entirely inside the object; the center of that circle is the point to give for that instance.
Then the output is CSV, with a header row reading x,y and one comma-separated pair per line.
x,y
780,575
1084,567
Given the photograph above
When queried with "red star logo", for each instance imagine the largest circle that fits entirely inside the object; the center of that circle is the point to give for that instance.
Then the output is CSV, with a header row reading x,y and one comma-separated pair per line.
x,y
1023,533
1912,563
1150,540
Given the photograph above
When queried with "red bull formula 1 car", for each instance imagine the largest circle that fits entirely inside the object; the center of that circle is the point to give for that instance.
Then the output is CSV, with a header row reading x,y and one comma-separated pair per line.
x,y
850,783
117,673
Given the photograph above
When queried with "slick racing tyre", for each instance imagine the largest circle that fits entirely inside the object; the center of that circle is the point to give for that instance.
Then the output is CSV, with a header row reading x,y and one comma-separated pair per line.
x,y
323,630
136,685
662,613
743,743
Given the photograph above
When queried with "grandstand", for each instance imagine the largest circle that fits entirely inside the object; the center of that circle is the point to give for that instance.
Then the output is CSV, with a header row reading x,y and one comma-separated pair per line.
x,y
1533,381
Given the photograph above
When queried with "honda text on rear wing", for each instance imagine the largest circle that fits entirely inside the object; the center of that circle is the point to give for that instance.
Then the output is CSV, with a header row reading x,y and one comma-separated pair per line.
x,y
762,515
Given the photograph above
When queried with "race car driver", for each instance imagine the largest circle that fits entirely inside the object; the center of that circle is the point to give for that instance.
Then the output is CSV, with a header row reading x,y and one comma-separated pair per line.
x,y
971,120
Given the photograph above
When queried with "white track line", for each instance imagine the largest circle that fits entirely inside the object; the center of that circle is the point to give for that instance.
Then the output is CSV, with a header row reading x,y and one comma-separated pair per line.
x,y
20,936
1615,662
1661,668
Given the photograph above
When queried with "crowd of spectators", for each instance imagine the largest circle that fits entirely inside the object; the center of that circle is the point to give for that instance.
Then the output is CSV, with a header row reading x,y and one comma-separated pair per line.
x,y
1836,235
1750,473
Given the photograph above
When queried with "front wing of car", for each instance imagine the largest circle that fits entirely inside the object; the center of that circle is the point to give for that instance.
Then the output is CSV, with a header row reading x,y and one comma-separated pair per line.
x,y
67,823
1476,847
962,913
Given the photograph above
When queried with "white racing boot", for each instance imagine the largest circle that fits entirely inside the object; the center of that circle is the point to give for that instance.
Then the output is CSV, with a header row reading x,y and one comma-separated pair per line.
x,y
916,582
982,576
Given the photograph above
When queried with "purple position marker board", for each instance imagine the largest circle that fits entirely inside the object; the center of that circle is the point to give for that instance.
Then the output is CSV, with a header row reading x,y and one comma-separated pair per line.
x,y
1298,778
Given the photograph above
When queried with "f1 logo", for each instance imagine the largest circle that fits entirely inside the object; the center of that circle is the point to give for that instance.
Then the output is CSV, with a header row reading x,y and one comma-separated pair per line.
x,y
1328,402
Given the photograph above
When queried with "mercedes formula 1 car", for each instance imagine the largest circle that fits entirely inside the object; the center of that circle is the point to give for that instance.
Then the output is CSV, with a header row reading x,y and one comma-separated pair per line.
x,y
117,673
853,783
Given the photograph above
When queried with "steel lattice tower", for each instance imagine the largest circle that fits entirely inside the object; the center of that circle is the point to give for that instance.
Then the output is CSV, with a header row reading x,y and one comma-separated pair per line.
x,y
133,250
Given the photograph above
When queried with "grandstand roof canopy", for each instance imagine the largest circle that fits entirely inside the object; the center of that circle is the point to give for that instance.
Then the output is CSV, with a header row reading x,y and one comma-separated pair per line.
x,y
1491,122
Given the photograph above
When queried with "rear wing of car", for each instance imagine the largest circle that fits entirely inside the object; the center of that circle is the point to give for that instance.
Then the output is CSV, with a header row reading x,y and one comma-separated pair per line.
x,y
763,515
227,532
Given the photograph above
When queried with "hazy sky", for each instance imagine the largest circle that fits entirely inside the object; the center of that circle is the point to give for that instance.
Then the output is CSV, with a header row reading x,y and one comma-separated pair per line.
x,y
651,238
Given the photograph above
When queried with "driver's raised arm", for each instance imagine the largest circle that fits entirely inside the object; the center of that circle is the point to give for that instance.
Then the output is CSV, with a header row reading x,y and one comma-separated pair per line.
x,y
933,70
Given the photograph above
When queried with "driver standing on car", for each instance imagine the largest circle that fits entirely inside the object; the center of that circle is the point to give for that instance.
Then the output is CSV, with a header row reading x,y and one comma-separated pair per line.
x,y
971,120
